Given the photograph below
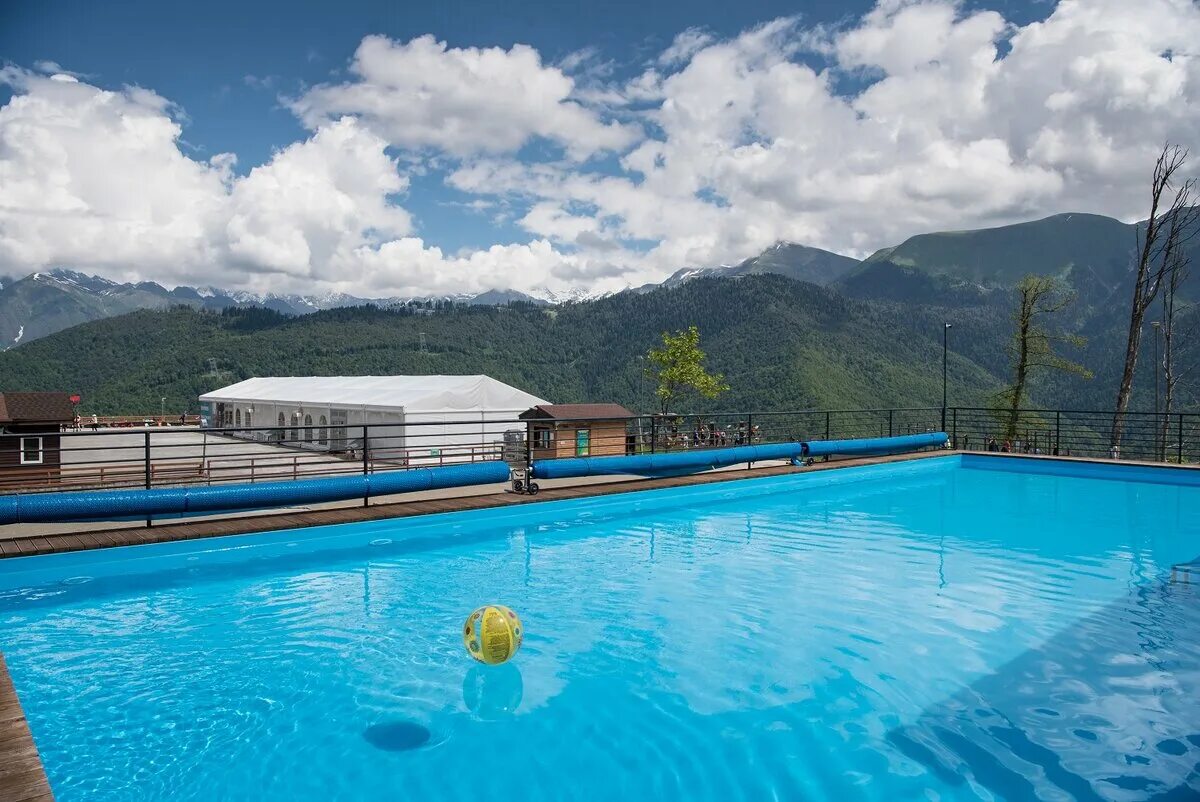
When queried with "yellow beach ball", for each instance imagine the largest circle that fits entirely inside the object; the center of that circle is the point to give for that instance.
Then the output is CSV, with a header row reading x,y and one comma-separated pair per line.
x,y
492,634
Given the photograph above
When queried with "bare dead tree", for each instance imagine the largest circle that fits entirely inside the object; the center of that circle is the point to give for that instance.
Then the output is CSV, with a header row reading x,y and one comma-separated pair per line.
x,y
1170,210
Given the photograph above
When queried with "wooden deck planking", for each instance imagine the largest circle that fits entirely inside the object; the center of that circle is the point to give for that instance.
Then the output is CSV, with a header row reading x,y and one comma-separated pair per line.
x,y
196,530
22,778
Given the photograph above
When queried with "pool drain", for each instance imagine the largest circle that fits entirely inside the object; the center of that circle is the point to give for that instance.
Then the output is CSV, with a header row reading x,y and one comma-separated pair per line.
x,y
397,736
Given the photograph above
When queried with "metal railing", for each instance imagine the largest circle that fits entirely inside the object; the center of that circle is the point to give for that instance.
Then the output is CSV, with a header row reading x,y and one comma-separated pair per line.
x,y
1152,437
179,455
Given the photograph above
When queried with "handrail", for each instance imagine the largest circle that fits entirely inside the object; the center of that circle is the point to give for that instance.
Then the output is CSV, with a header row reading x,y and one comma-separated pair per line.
x,y
177,455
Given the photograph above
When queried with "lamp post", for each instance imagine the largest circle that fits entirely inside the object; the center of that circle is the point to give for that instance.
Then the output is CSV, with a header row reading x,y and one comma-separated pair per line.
x,y
1157,369
1155,324
162,407
945,355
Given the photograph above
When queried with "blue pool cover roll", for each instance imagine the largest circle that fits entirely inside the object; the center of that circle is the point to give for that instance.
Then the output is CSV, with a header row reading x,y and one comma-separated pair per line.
x,y
110,505
683,462
871,446
671,464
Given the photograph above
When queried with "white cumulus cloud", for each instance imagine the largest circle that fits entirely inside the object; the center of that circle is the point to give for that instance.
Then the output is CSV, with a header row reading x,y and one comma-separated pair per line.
x,y
959,119
919,115
424,94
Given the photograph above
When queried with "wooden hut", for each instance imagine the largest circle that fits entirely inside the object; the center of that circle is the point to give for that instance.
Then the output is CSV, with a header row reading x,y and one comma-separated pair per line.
x,y
29,433
577,430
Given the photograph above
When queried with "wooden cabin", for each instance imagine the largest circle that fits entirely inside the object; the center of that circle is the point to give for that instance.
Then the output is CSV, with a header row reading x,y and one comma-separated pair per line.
x,y
29,432
577,430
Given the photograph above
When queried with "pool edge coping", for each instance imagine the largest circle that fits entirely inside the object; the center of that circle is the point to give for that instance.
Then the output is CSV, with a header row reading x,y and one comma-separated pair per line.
x,y
101,538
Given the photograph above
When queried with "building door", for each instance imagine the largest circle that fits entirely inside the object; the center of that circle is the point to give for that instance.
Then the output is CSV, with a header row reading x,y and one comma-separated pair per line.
x,y
337,433
583,438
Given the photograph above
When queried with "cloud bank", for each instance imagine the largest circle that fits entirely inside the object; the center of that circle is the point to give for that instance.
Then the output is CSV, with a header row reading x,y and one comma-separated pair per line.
x,y
917,116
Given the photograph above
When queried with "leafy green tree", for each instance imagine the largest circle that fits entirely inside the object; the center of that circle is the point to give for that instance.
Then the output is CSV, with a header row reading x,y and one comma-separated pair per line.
x,y
679,366
1032,346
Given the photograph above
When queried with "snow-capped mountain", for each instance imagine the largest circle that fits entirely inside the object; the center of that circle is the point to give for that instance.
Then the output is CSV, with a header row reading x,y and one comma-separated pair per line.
x,y
574,295
49,301
800,262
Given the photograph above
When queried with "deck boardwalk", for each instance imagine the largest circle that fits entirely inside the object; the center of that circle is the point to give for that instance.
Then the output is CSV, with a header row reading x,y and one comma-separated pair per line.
x,y
22,778
193,530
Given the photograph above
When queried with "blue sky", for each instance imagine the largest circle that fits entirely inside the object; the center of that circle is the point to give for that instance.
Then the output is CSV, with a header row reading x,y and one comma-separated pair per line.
x,y
226,66
635,162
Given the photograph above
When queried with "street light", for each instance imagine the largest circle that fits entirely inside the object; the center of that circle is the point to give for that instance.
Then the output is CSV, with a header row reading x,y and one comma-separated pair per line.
x,y
162,408
945,354
1157,369
1156,324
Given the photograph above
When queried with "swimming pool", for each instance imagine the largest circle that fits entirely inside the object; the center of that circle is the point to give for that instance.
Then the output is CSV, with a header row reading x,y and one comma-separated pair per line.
x,y
951,628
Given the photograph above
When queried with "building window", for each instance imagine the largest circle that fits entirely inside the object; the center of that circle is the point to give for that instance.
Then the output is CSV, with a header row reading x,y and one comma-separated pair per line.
x,y
238,416
308,434
279,431
322,432
543,437
248,423
31,451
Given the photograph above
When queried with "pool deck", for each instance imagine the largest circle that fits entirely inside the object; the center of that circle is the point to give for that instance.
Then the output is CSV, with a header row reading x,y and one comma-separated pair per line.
x,y
125,534
54,543
22,778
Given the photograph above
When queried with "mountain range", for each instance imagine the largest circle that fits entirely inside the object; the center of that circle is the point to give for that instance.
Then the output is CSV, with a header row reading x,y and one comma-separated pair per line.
x,y
52,300
1091,253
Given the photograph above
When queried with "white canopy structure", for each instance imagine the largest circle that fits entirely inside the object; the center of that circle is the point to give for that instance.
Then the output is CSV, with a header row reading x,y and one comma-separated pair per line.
x,y
410,418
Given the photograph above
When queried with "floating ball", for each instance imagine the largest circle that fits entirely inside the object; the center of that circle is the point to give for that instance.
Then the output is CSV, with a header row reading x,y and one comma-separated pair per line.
x,y
492,634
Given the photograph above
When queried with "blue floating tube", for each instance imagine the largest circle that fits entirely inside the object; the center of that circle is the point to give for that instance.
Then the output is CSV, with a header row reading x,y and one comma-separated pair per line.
x,y
671,464
876,445
112,505
679,463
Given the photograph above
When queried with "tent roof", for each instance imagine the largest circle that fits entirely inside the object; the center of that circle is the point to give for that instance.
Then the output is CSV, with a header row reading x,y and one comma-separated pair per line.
x,y
412,393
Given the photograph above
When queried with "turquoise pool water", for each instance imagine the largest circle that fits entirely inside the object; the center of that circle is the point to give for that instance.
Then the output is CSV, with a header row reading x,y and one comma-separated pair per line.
x,y
935,630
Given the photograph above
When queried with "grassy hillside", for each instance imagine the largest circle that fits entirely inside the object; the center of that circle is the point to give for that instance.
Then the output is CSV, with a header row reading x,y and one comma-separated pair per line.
x,y
1083,249
788,259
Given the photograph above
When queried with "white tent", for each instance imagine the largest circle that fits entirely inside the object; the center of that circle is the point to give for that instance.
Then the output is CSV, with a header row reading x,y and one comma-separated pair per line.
x,y
419,419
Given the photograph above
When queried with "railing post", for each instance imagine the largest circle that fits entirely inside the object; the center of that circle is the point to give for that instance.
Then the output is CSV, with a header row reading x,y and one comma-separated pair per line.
x,y
749,435
954,425
826,424
891,432
149,479
653,433
1179,445
1057,432
366,487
